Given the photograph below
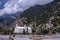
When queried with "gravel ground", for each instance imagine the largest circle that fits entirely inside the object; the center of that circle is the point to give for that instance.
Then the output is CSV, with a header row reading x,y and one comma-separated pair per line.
x,y
4,37
31,37
23,37
52,39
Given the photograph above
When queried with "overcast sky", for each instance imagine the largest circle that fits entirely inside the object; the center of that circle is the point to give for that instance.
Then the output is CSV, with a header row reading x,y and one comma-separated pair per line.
x,y
13,6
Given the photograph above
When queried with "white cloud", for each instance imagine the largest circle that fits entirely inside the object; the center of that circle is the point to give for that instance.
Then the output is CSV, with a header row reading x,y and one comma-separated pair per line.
x,y
13,6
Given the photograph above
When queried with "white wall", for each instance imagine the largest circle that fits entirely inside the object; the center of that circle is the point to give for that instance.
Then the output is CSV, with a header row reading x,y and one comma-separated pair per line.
x,y
21,29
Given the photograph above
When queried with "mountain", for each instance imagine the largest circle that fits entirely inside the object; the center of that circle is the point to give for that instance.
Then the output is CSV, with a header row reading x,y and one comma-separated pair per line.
x,y
40,15
37,13
7,19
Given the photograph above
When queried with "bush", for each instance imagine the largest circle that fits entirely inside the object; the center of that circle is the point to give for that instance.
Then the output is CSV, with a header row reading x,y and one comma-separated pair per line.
x,y
45,31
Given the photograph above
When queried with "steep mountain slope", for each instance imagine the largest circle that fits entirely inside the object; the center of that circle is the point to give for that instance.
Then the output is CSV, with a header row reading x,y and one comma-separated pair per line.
x,y
7,19
40,16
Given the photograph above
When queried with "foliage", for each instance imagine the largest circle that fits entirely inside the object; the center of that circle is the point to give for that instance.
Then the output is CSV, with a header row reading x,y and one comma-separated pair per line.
x,y
42,14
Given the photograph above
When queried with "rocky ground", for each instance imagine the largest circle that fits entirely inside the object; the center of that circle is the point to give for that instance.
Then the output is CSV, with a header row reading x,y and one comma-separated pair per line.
x,y
31,37
4,37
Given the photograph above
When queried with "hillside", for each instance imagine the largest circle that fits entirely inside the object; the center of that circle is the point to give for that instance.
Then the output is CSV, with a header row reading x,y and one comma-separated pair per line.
x,y
40,15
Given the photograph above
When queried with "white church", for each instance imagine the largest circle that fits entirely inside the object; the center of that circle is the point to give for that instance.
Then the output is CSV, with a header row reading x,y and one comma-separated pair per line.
x,y
19,29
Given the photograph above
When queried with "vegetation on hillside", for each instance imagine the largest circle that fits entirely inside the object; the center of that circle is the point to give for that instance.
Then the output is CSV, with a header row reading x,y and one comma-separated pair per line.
x,y
39,15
